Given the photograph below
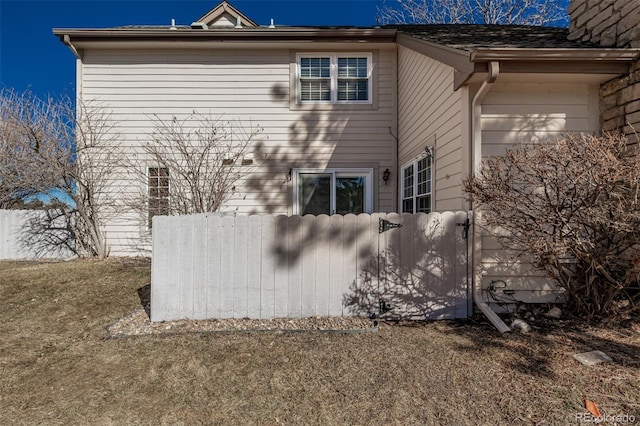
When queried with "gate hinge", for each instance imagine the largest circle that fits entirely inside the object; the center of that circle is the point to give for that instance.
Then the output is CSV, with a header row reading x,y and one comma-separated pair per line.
x,y
384,306
467,225
385,225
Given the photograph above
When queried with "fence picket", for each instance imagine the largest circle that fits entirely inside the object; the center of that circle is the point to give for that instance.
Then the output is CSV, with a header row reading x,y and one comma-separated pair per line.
x,y
294,255
279,252
336,267
267,267
227,284
308,262
200,248
214,265
254,267
323,264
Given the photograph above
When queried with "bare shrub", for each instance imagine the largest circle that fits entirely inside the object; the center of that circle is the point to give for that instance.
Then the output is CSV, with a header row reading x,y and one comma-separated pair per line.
x,y
573,207
199,162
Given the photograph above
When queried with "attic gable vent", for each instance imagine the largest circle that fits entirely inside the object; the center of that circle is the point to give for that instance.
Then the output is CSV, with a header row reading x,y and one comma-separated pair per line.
x,y
225,15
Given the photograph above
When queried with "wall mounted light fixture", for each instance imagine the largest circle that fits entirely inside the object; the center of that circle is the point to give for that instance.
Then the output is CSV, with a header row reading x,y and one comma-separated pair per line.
x,y
385,175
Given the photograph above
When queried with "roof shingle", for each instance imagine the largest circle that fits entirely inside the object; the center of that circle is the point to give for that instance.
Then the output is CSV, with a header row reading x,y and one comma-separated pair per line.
x,y
475,36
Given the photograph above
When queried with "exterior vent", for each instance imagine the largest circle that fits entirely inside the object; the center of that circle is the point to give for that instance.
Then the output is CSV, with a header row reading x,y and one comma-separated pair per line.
x,y
199,26
173,25
238,23
272,25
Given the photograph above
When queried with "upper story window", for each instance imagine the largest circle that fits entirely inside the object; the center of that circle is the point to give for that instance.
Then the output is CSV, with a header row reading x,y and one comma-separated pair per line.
x,y
334,78
416,185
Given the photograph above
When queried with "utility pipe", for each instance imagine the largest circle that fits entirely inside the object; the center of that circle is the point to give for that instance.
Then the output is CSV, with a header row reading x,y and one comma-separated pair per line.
x,y
476,156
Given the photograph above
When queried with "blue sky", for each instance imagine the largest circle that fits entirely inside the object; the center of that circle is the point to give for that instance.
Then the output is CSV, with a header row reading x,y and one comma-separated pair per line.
x,y
32,57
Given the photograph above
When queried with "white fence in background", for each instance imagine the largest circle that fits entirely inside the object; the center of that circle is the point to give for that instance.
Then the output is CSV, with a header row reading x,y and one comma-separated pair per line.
x,y
16,243
220,266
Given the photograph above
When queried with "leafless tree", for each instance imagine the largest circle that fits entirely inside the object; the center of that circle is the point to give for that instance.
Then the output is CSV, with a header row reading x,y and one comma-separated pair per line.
x,y
195,164
573,208
66,148
24,128
506,12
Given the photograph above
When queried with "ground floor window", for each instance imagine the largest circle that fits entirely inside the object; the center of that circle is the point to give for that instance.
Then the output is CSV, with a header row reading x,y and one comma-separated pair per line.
x,y
158,192
332,191
416,184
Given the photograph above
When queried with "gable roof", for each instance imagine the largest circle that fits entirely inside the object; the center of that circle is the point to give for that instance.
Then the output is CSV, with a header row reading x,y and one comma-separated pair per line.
x,y
225,15
469,48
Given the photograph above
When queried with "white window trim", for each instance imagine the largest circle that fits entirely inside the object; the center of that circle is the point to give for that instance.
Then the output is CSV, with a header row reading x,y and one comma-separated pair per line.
x,y
366,172
334,76
414,162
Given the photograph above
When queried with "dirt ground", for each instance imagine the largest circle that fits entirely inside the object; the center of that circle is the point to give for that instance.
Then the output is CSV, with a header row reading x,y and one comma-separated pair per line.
x,y
58,365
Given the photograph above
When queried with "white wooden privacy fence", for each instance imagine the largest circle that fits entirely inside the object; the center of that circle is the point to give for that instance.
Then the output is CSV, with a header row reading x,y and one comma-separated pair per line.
x,y
221,266
22,235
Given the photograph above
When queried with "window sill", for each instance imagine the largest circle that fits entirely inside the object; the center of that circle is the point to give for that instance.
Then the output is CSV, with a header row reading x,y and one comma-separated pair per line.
x,y
328,106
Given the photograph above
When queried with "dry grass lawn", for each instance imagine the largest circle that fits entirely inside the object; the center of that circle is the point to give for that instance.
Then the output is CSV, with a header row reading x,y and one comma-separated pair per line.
x,y
58,367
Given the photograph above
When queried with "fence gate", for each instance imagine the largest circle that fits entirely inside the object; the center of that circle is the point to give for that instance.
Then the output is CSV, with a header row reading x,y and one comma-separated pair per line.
x,y
403,266
424,266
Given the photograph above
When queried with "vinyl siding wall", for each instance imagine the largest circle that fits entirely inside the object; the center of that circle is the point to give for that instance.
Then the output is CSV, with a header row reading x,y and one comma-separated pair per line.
x,y
252,88
517,113
430,114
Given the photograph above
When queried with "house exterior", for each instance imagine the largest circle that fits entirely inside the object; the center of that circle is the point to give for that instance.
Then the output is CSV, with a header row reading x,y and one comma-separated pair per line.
x,y
400,115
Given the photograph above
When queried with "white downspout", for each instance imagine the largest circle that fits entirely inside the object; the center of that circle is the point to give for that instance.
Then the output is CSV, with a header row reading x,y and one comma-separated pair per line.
x,y
476,157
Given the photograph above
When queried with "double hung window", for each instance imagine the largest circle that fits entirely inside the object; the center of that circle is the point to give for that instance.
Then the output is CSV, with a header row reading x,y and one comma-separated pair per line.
x,y
332,191
333,78
416,185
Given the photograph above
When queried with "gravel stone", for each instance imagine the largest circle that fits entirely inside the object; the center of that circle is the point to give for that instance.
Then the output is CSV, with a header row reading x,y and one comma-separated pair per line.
x,y
137,323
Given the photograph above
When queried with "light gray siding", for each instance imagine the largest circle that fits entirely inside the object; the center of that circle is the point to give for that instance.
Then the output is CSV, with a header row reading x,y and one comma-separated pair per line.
x,y
513,114
430,114
252,88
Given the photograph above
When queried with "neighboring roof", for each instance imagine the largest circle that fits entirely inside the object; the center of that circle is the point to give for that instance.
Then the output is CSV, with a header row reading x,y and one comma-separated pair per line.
x,y
220,15
470,37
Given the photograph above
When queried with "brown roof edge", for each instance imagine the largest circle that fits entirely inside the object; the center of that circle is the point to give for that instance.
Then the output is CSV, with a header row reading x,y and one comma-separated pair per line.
x,y
555,54
244,34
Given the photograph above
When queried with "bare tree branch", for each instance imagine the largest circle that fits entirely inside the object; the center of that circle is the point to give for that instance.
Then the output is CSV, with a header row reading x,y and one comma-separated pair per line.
x,y
204,158
507,12
58,146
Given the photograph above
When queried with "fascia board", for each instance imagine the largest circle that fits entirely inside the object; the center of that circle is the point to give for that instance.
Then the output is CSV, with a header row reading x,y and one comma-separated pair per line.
x,y
456,58
230,35
595,54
